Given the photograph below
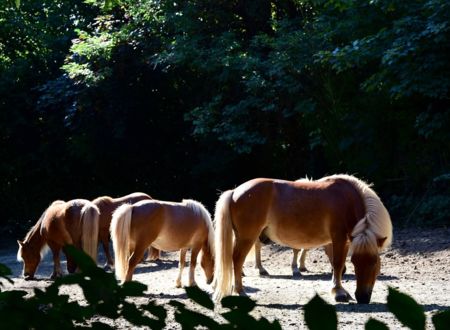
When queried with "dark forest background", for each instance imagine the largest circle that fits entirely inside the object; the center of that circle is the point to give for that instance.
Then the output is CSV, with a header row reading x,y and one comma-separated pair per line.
x,y
184,99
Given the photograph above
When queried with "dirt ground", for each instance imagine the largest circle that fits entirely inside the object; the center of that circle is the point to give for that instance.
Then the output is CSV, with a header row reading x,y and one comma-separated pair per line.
x,y
418,263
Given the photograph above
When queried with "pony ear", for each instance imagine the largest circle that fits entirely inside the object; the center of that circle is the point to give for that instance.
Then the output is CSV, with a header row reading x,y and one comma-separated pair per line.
x,y
380,241
20,243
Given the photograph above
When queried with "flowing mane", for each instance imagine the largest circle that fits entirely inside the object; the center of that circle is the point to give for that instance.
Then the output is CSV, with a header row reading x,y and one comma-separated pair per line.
x,y
202,212
35,233
375,225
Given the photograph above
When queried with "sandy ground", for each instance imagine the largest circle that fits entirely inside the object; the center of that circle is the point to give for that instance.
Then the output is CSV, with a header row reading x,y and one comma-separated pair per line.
x,y
418,263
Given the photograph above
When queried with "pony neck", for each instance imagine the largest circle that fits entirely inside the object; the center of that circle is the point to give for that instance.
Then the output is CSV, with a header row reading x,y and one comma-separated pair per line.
x,y
34,238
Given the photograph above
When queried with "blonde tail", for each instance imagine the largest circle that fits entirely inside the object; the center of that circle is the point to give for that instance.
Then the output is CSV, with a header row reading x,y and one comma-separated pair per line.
x,y
223,271
120,236
89,221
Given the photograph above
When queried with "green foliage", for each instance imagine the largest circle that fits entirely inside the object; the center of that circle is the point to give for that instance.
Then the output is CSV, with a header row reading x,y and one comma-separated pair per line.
x,y
228,89
320,315
373,324
105,299
441,320
406,309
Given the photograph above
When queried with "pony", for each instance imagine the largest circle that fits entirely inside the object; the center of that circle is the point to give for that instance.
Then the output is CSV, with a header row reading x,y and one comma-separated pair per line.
x,y
167,226
340,210
107,205
73,222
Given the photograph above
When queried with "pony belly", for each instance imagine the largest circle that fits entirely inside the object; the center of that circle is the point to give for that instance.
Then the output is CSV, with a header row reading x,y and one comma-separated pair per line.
x,y
297,239
170,243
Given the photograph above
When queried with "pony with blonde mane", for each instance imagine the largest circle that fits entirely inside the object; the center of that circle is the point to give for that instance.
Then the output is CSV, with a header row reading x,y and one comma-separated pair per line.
x,y
62,223
340,210
167,226
296,269
107,205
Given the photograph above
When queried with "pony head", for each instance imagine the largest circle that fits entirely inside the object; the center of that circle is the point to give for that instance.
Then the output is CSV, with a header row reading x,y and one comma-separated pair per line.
x,y
30,257
366,260
207,263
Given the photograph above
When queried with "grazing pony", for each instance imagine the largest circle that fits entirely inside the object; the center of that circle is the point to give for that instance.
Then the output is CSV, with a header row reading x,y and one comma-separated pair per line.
x,y
167,226
340,210
107,206
296,270
74,222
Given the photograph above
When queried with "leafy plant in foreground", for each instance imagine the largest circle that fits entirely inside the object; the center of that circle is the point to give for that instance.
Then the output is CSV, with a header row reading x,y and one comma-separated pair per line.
x,y
106,299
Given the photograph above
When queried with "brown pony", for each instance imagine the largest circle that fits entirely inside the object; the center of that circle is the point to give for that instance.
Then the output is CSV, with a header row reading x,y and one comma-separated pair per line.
x,y
339,209
74,222
167,226
107,205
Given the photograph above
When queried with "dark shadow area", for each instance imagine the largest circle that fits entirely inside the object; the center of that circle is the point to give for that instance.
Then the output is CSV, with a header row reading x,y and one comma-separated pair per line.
x,y
325,277
154,267
281,306
166,296
250,289
411,241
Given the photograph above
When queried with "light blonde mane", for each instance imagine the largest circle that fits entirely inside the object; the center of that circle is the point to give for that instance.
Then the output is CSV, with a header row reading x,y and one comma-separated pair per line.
x,y
36,230
376,223
203,213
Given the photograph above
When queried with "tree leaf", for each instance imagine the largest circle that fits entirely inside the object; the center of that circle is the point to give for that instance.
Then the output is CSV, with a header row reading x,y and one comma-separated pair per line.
x,y
406,309
244,304
319,315
441,320
373,324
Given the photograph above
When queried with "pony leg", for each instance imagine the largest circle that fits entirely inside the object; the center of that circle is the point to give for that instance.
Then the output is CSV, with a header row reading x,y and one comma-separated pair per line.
x,y
134,260
57,271
181,267
258,263
295,270
109,260
302,260
153,254
329,252
194,253
340,250
240,251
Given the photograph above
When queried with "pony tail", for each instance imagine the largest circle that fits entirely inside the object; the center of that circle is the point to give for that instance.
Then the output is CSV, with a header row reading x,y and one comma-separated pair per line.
x,y
89,221
223,269
120,236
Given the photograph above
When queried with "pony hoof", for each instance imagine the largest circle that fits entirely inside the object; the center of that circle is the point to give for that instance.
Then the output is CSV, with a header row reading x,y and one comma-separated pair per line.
x,y
296,274
178,285
303,269
344,297
263,273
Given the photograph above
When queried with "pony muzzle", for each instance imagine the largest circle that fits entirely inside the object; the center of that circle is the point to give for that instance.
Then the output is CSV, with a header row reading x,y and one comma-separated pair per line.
x,y
363,296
